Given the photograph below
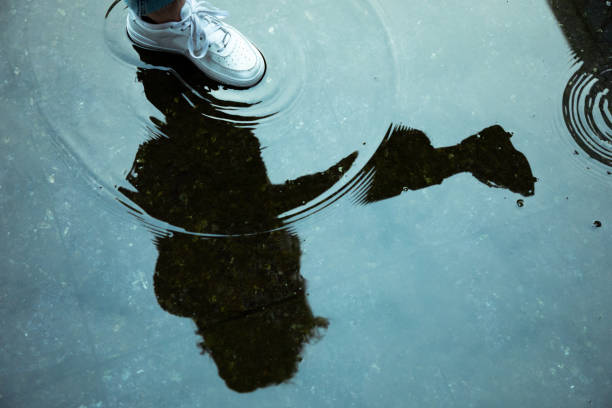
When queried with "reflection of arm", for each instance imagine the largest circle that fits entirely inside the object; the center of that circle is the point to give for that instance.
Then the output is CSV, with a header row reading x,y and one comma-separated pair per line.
x,y
294,193
405,160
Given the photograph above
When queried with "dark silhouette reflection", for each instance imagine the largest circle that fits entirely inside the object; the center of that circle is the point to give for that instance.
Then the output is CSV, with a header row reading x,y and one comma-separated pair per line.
x,y
406,160
245,292
247,299
587,25
205,174
587,99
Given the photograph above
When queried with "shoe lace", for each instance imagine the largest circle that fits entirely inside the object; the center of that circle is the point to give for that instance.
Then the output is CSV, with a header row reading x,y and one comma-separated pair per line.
x,y
203,22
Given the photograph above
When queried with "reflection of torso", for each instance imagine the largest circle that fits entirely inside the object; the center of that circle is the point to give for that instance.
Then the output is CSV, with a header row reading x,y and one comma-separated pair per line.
x,y
205,176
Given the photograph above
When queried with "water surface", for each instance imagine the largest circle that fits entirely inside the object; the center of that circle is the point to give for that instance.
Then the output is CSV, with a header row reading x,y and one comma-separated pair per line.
x,y
419,266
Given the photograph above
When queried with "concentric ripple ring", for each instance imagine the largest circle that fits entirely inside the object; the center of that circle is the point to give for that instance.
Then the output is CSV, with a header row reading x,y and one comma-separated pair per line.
x,y
587,111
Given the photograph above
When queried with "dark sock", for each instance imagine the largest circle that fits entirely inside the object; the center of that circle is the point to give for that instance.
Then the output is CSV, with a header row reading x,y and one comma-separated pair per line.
x,y
147,20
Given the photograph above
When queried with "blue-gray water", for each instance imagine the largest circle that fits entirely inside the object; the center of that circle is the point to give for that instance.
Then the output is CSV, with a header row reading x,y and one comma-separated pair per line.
x,y
445,296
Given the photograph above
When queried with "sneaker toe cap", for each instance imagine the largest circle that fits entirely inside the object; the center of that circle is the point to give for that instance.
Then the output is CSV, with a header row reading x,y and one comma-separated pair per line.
x,y
244,66
243,57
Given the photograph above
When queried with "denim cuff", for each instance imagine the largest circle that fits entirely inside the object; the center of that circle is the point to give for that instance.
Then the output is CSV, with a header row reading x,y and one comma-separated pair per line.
x,y
144,7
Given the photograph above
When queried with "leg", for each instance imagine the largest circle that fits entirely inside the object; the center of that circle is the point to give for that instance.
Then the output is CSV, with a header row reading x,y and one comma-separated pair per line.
x,y
146,7
170,12
195,29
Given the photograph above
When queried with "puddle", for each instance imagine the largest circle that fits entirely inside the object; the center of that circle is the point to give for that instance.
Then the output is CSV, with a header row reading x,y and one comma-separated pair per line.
x,y
410,208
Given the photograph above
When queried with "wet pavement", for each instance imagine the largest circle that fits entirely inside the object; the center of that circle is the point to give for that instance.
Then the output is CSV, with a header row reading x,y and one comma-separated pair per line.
x,y
412,209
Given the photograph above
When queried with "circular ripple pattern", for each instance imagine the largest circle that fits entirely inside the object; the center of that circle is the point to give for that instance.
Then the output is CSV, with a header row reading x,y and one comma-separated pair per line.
x,y
326,94
587,111
279,90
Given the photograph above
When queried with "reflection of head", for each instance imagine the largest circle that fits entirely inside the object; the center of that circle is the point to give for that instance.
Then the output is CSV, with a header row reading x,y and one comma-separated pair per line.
x,y
247,298
406,160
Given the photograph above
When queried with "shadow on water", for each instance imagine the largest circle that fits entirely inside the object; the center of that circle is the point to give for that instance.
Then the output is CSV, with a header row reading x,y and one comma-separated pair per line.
x,y
587,99
245,293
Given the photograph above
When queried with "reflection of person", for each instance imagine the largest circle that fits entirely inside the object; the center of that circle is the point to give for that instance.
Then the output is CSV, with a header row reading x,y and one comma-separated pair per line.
x,y
205,174
244,293
194,28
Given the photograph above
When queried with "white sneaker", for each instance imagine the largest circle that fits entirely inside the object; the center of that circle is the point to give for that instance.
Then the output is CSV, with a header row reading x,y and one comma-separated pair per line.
x,y
216,48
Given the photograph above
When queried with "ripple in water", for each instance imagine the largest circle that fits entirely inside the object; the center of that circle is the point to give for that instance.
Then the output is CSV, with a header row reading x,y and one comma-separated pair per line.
x,y
587,111
306,77
276,95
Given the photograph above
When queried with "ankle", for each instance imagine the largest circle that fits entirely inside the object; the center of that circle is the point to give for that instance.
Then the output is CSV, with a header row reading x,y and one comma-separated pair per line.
x,y
149,20
171,12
